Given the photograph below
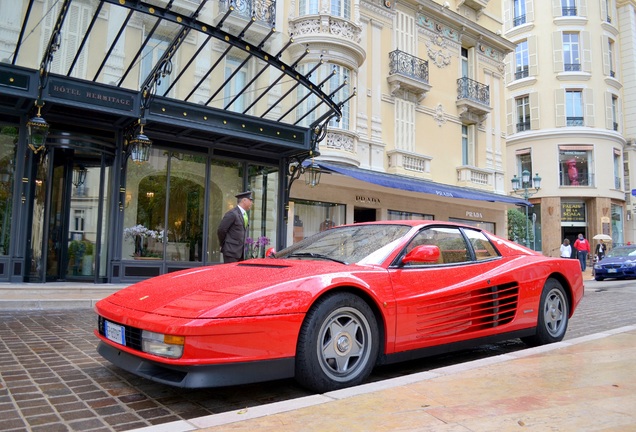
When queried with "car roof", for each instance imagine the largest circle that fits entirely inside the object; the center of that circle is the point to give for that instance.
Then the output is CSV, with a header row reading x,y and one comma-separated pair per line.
x,y
415,223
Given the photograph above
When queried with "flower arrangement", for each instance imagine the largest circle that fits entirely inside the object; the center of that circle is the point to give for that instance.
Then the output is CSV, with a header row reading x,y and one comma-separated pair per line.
x,y
139,234
256,248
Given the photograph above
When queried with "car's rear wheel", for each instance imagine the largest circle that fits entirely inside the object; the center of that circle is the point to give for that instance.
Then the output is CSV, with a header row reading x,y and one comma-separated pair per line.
x,y
553,315
338,343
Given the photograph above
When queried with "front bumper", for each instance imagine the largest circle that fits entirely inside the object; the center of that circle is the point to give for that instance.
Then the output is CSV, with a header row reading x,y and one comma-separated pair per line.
x,y
199,376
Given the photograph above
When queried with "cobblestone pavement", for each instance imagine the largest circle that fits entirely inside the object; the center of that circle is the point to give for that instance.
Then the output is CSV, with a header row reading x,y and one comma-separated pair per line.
x,y
52,379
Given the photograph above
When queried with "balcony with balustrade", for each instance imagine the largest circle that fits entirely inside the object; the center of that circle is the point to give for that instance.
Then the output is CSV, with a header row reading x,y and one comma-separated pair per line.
x,y
476,178
261,12
473,100
408,73
341,36
408,163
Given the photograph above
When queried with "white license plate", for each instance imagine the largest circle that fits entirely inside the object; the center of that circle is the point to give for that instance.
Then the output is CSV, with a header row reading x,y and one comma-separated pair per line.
x,y
611,270
115,332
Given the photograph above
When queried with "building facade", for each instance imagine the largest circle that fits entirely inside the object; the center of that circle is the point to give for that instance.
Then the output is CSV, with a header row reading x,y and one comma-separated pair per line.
x,y
400,104
565,104
159,114
425,136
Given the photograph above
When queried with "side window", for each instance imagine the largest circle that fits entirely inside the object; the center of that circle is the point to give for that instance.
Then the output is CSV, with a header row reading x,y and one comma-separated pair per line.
x,y
453,248
481,245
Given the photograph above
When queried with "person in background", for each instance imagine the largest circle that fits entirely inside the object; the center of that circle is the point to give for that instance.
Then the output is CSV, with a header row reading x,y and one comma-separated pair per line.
x,y
233,229
601,248
566,249
582,247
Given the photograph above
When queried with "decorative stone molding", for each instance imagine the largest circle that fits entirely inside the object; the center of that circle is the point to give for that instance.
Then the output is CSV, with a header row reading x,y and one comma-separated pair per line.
x,y
439,116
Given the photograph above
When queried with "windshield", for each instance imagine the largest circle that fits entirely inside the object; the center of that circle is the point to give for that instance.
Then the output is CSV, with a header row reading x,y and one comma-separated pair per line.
x,y
623,251
363,244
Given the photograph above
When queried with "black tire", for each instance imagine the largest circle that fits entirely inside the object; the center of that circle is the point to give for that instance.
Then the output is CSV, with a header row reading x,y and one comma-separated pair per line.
x,y
554,312
599,278
338,343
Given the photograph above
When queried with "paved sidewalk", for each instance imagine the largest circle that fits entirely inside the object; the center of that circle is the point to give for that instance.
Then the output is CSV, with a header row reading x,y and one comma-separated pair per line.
x,y
584,384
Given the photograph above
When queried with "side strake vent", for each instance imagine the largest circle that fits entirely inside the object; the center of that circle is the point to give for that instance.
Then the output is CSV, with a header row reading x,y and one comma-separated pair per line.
x,y
468,312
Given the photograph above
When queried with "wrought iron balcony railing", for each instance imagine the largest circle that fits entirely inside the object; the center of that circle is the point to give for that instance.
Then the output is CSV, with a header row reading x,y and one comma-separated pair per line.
x,y
574,121
568,11
406,64
263,11
522,73
572,67
523,126
473,90
518,20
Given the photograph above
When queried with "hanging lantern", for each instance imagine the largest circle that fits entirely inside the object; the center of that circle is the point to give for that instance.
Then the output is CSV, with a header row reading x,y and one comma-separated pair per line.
x,y
37,131
79,175
139,147
312,174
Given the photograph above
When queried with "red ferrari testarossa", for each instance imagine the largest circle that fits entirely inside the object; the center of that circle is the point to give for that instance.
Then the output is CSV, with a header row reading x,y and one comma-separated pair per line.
x,y
329,308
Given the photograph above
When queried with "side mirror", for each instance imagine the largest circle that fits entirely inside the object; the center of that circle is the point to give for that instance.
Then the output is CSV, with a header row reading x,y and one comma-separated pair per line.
x,y
270,253
422,254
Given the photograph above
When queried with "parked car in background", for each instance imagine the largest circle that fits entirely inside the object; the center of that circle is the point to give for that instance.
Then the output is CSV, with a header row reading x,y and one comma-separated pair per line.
x,y
620,262
329,308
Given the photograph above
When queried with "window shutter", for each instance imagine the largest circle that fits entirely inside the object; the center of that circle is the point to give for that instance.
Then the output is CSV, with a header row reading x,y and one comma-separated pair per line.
x,y
533,63
609,118
586,49
604,11
557,51
510,116
582,8
507,15
559,99
606,55
535,122
557,10
529,11
588,100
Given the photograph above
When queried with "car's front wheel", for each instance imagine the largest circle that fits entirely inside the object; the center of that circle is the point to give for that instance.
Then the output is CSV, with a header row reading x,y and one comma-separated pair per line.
x,y
338,343
554,313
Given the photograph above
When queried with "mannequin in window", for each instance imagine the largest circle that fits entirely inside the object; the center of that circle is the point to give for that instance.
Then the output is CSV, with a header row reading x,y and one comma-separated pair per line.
x,y
327,224
573,173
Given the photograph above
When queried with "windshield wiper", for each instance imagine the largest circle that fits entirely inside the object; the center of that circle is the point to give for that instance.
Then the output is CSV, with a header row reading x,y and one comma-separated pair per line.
x,y
315,255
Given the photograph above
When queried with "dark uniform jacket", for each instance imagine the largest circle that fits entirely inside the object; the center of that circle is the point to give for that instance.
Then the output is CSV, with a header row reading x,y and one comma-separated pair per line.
x,y
232,234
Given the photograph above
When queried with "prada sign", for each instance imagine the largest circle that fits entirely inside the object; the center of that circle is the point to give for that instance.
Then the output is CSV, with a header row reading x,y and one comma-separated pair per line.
x,y
91,94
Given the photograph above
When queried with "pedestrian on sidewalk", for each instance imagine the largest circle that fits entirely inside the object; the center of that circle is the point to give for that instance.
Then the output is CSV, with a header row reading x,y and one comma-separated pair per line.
x,y
601,248
582,247
566,249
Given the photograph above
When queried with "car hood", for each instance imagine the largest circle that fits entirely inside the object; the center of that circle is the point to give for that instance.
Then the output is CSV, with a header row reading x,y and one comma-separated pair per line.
x,y
248,288
617,260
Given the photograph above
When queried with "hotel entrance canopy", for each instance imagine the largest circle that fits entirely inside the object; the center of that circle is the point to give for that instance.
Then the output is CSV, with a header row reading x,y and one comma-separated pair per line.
x,y
201,70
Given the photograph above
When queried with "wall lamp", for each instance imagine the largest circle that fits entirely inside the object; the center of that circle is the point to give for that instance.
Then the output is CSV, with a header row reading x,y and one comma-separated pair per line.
x,y
79,175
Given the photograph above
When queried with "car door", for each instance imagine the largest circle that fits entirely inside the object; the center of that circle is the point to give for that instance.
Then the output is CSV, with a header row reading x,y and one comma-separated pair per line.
x,y
451,299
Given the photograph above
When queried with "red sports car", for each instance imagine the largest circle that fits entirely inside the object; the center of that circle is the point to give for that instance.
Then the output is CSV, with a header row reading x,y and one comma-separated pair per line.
x,y
328,309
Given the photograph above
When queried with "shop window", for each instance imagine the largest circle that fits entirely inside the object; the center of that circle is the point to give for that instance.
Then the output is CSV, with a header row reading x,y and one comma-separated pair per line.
x,y
8,141
163,217
402,215
617,225
575,166
311,217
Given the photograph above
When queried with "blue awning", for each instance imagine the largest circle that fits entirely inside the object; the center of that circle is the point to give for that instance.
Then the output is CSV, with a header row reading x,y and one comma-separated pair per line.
x,y
417,185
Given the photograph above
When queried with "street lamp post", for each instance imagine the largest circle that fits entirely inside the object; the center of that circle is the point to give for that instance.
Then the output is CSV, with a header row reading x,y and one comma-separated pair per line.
x,y
525,188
